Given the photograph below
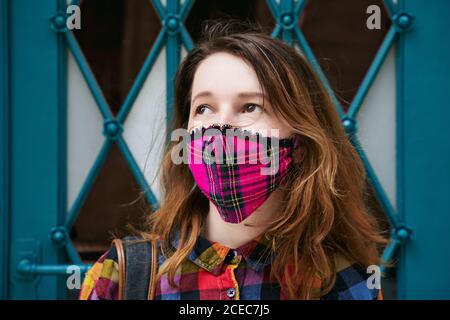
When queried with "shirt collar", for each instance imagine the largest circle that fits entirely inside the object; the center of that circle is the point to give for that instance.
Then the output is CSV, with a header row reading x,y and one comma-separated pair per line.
x,y
211,255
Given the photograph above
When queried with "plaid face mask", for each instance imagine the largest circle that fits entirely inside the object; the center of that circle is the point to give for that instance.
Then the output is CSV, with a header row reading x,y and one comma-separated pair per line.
x,y
236,169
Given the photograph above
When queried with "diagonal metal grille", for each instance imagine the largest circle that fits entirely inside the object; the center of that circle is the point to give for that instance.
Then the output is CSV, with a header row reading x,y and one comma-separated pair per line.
x,y
287,13
173,35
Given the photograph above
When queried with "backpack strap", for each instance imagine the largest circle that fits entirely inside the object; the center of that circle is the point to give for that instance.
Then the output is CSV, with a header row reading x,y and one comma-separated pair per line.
x,y
138,264
153,271
121,261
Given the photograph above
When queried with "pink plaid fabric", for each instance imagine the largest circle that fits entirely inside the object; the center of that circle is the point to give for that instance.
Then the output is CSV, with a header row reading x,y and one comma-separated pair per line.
x,y
226,165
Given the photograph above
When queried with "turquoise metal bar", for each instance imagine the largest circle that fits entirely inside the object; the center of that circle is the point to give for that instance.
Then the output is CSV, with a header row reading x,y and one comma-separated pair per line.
x,y
186,38
287,18
88,75
273,6
137,172
391,7
141,77
72,252
389,253
5,161
312,59
299,5
423,118
75,2
160,10
62,137
276,31
185,9
400,156
25,267
173,54
82,195
35,113
379,191
287,36
399,236
372,72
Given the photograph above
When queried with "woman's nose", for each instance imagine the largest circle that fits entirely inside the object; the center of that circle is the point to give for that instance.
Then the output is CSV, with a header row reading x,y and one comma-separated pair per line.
x,y
226,117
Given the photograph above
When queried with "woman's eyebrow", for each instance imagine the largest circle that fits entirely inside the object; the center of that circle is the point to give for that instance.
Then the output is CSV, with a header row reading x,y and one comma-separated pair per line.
x,y
202,94
240,95
252,94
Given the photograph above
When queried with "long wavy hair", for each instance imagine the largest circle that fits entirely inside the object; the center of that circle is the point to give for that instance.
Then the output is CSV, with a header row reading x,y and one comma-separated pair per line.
x,y
323,213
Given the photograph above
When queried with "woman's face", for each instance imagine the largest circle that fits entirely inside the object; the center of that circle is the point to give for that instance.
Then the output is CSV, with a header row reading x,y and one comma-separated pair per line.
x,y
226,90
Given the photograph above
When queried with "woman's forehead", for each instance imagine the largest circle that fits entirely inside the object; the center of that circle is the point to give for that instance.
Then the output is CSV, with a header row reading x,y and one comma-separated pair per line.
x,y
224,73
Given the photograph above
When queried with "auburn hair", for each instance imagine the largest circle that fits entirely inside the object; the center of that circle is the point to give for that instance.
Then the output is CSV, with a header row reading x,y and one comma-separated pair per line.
x,y
323,213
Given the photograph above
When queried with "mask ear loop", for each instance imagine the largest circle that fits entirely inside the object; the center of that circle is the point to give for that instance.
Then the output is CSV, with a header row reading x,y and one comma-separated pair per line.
x,y
193,188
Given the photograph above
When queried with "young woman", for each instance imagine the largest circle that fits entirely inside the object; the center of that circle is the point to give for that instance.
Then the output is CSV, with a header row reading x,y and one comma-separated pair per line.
x,y
228,231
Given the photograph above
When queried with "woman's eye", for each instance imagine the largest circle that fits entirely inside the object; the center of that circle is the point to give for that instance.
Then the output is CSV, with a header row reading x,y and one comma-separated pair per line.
x,y
202,109
252,108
